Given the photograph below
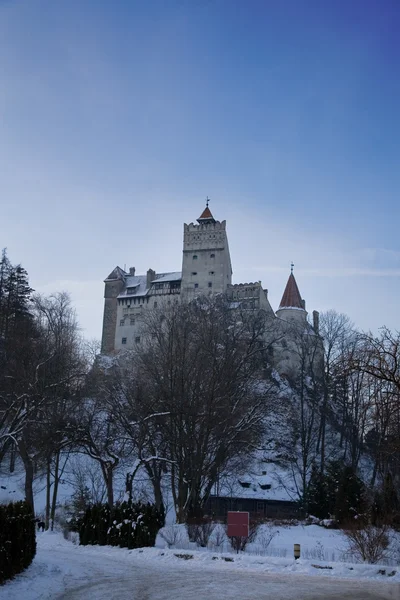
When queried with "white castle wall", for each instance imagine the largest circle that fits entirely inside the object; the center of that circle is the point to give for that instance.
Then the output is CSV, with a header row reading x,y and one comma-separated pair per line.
x,y
206,262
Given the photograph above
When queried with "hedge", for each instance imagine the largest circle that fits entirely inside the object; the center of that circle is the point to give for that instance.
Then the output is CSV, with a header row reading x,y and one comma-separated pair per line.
x,y
17,539
128,525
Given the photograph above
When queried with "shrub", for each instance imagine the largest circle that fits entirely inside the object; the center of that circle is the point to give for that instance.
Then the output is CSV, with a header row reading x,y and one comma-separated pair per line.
x,y
265,536
201,532
172,534
17,539
239,543
367,542
219,536
128,525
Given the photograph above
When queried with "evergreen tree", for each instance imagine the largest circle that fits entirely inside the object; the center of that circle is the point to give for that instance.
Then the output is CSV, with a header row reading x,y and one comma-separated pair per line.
x,y
317,493
350,504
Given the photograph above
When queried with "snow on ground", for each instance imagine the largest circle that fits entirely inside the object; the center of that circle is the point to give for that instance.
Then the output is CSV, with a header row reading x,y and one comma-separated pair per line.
x,y
64,570
12,489
277,541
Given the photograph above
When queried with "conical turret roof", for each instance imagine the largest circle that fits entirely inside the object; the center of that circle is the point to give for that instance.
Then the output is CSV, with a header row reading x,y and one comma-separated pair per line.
x,y
291,296
206,215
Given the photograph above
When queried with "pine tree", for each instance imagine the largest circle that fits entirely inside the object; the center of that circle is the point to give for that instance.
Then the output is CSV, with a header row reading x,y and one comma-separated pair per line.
x,y
350,503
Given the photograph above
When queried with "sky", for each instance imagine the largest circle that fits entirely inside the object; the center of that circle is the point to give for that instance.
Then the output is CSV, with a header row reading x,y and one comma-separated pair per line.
x,y
118,118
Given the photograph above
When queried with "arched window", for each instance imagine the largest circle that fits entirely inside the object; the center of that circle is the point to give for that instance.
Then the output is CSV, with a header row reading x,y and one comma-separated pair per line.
x,y
194,256
212,255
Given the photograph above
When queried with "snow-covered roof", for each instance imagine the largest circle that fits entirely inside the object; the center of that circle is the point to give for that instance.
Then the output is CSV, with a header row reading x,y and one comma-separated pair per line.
x,y
139,283
276,484
174,276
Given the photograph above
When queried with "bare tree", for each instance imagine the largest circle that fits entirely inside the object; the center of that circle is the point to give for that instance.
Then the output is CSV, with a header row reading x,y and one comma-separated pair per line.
x,y
99,437
200,369
306,383
379,359
336,330
46,375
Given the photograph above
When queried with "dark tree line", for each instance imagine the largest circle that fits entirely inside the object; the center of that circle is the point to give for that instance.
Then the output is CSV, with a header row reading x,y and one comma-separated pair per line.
x,y
41,369
346,413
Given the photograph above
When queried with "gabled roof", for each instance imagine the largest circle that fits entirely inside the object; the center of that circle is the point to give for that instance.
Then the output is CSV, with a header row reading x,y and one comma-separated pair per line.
x,y
206,215
291,296
117,273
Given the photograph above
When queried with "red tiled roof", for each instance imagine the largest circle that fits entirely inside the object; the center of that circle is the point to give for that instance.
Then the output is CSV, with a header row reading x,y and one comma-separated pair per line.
x,y
206,214
291,296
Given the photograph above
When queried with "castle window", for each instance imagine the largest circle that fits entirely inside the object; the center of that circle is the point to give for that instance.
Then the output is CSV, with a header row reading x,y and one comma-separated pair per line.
x,y
155,304
194,273
210,284
211,272
122,322
194,256
212,255
137,339
124,340
132,321
196,285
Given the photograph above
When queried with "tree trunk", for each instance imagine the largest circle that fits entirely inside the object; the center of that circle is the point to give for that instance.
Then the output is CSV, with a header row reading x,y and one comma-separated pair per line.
x,y
129,486
13,454
110,489
29,471
48,487
154,474
108,479
55,489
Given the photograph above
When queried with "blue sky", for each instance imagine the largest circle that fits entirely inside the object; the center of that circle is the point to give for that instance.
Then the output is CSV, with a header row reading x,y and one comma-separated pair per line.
x,y
118,118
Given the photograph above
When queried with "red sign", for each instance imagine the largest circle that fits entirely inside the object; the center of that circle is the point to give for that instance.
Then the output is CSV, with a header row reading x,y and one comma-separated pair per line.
x,y
238,524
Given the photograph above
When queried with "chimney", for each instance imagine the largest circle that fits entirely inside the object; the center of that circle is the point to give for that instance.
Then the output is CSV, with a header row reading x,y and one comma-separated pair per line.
x,y
303,303
151,275
316,321
266,292
132,270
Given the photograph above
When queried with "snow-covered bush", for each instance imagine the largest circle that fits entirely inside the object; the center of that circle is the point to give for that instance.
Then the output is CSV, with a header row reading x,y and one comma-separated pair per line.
x,y
218,538
266,534
172,535
128,525
17,539
200,533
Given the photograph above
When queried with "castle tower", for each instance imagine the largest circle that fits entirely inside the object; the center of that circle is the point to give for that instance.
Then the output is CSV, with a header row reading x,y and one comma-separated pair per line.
x,y
292,306
206,262
114,285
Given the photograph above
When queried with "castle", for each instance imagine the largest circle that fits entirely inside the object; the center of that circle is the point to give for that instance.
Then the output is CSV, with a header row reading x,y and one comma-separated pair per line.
x,y
206,270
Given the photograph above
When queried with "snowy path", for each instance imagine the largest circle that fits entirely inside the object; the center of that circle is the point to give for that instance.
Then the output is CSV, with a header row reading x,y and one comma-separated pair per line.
x,y
62,571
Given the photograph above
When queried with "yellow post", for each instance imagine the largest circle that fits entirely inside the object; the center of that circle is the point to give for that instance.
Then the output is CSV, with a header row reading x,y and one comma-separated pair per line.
x,y
297,551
